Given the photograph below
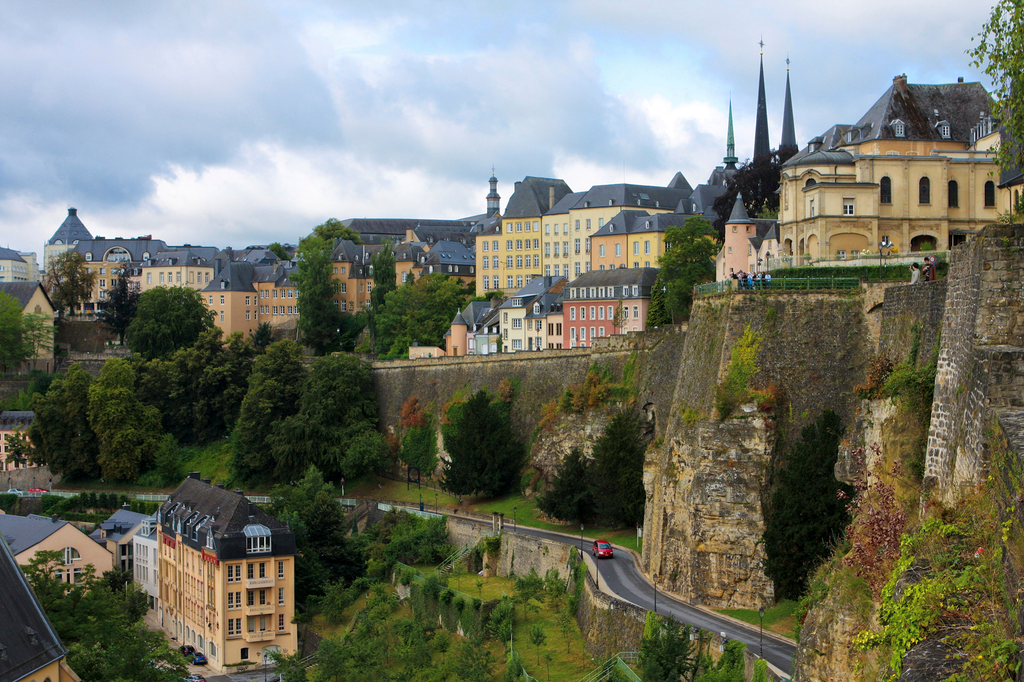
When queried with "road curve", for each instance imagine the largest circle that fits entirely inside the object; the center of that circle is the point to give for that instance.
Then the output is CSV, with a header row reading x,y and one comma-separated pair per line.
x,y
622,577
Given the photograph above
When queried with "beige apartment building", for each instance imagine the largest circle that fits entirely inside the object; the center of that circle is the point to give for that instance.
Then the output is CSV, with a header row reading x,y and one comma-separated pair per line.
x,y
227,575
910,170
30,534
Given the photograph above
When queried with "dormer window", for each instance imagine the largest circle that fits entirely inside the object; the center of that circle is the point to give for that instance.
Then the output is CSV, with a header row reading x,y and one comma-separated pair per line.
x,y
898,128
257,539
209,540
944,129
536,308
88,256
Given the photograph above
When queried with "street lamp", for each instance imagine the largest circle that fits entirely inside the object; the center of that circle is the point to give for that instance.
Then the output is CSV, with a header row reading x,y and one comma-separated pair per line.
x,y
581,541
436,507
884,244
515,526
760,612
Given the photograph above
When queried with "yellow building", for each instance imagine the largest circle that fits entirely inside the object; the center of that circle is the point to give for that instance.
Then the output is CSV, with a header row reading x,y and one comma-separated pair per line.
x,y
107,257
910,169
227,575
187,266
34,301
32,649
509,253
30,534
70,233
14,268
632,239
524,316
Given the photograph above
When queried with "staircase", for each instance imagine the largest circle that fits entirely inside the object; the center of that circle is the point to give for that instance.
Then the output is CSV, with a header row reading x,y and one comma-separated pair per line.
x,y
622,661
448,564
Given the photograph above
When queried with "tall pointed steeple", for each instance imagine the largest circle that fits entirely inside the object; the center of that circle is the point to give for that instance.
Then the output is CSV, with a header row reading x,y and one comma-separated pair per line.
x,y
730,144
493,198
761,145
788,131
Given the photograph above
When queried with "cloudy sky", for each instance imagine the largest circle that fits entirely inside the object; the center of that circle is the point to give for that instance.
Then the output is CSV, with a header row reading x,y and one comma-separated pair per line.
x,y
231,122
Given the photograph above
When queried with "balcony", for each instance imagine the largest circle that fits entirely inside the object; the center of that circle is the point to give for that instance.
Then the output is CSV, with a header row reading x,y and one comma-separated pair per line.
x,y
254,583
260,636
259,610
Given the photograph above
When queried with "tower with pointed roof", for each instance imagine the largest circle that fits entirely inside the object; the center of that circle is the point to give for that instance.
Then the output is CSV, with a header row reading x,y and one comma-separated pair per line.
x,y
762,147
730,145
70,232
788,130
493,198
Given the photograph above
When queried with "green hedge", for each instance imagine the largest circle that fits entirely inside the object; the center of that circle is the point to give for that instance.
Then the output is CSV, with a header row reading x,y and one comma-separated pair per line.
x,y
64,506
431,602
7,502
872,273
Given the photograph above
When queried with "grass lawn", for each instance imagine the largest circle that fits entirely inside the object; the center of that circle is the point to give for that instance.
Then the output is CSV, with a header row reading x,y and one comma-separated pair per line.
x,y
569,660
323,627
780,619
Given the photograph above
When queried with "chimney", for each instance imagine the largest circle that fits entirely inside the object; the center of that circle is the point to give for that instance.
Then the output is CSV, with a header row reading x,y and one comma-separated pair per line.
x,y
195,475
219,485
54,519
901,82
126,507
252,509
239,491
551,196
207,480
960,79
72,212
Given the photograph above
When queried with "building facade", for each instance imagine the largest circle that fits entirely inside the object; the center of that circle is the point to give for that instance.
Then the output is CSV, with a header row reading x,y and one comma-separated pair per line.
x,y
602,303
227,575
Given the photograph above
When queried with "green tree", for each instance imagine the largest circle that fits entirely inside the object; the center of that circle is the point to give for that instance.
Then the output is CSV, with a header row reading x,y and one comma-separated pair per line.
x,y
474,663
167,461
616,474
809,508
12,327
999,51
383,284
319,316
333,229
657,312
167,318
37,334
418,311
368,453
336,406
262,336
760,671
279,250
689,260
485,455
128,430
730,666
118,310
666,652
569,497
758,182
62,437
68,281
537,638
275,386
19,447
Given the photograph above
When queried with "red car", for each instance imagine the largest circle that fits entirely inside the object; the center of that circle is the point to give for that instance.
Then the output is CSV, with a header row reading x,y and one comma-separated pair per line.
x,y
601,549
38,490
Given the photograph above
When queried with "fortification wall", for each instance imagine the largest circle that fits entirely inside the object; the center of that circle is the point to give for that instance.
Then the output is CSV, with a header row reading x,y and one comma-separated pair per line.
x,y
981,362
909,311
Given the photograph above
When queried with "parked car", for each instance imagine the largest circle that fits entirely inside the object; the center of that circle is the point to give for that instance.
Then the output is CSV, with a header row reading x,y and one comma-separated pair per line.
x,y
601,549
38,490
194,677
199,659
15,491
187,649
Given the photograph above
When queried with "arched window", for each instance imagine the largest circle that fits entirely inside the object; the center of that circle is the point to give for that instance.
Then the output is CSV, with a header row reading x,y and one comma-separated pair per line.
x,y
990,194
885,190
954,194
811,182
71,555
924,191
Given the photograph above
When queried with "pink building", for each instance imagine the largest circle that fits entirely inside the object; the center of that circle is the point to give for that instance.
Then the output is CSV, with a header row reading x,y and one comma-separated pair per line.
x,y
11,422
605,302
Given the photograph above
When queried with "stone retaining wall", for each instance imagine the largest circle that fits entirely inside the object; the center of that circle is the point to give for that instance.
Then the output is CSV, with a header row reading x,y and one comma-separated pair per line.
x,y
911,306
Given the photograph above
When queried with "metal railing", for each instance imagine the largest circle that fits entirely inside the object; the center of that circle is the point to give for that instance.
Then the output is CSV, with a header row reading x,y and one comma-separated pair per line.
x,y
714,288
621,661
384,507
779,284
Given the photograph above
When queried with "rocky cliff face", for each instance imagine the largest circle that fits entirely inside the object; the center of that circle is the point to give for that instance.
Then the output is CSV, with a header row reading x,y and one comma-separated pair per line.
x,y
704,486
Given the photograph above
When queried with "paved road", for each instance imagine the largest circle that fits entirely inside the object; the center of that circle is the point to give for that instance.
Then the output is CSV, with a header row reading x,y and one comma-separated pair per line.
x,y
622,577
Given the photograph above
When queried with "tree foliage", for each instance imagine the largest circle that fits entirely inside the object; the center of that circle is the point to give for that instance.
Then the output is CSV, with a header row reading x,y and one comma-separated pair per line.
x,y
383,283
337,405
279,250
128,430
689,259
808,513
275,386
666,652
569,496
616,475
485,455
319,316
167,318
62,437
262,336
333,229
999,52
421,310
12,347
68,281
118,309
657,311
758,182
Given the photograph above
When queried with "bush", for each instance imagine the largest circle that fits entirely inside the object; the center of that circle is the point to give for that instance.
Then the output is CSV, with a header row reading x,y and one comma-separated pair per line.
x,y
878,372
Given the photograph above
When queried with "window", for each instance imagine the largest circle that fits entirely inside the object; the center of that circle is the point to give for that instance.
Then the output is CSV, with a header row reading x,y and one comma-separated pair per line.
x,y
577,226
494,245
280,622
592,311
885,190
71,555
519,281
508,261
577,248
519,227
508,244
990,194
898,129
583,312
250,596
618,249
812,214
636,291
547,228
588,223
486,244
161,278
222,299
257,541
588,246
572,313
519,244
517,344
280,596
508,281
222,316
600,312
517,323
954,194
924,191
547,249
244,653
487,282
536,260
647,247
636,248
636,312
519,261
231,626
847,206
536,243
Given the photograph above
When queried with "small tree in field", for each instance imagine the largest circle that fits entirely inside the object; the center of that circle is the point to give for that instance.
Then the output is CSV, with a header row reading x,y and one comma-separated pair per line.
x,y
485,455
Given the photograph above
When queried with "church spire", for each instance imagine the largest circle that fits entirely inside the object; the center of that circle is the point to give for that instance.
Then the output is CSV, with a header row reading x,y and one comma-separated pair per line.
x,y
788,132
761,144
493,199
730,144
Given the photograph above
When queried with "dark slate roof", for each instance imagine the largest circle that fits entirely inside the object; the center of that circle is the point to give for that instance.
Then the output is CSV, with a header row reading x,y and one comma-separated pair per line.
x,y
549,302
10,254
702,198
820,157
739,212
463,234
234,276
182,256
71,230
30,640
788,129
475,312
765,230
640,221
565,203
23,532
136,247
921,108
22,291
532,197
119,524
616,277
208,509
395,228
534,288
459,320
679,182
16,419
633,196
